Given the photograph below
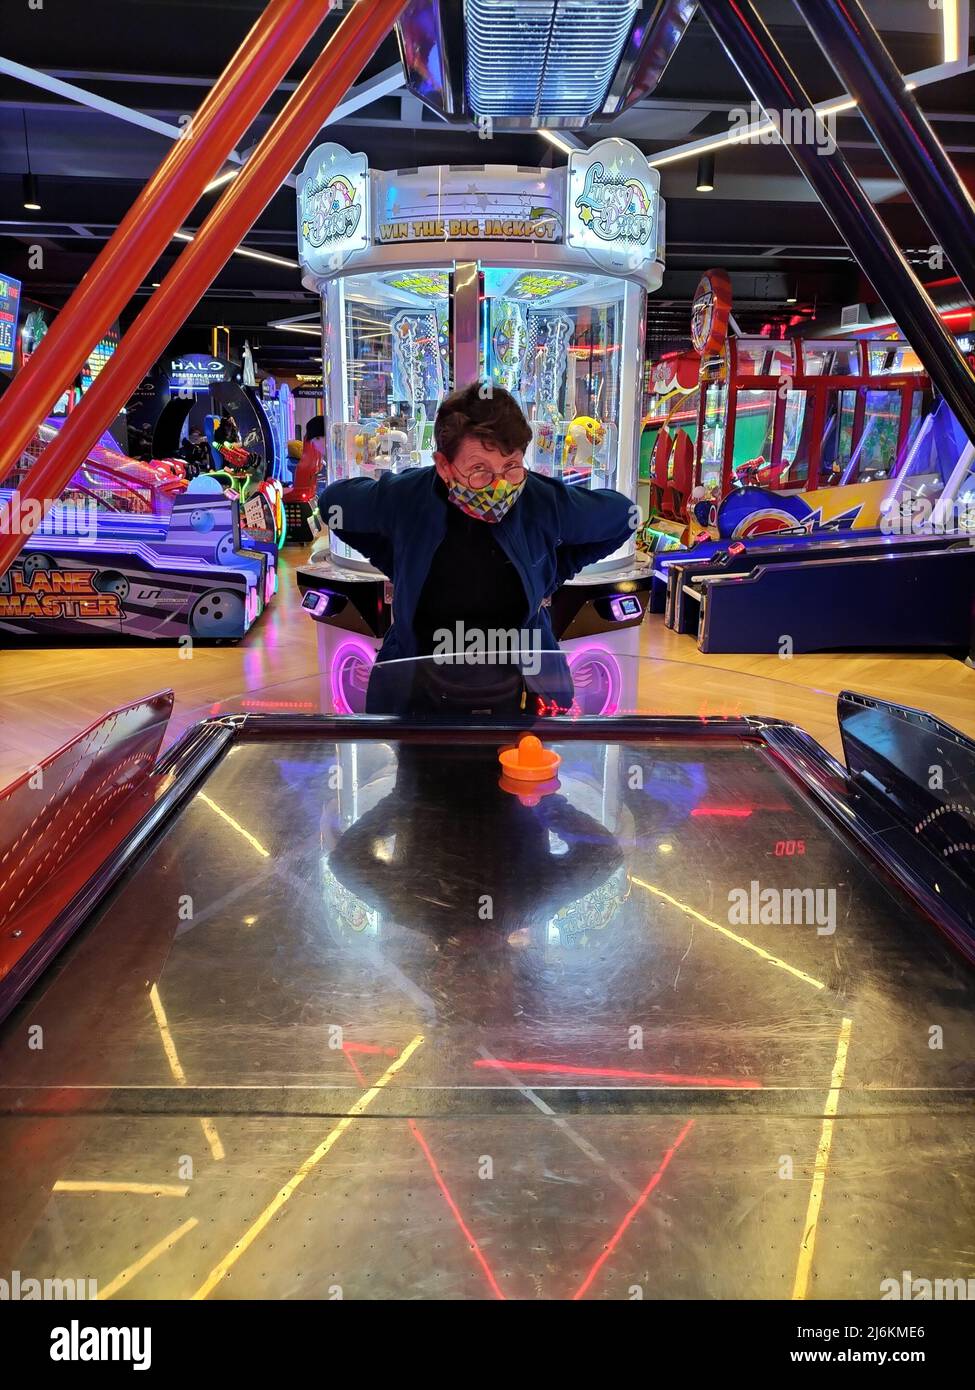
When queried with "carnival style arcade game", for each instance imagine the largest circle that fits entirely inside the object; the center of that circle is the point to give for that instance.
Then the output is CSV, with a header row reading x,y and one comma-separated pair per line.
x,y
531,279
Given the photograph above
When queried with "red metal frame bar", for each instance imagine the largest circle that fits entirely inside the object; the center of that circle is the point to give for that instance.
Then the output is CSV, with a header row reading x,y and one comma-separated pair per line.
x,y
859,418
290,134
728,443
778,425
817,425
731,412
904,420
238,95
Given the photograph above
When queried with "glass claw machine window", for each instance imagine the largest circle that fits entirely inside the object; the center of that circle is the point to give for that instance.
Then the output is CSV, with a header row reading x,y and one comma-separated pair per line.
x,y
837,443
712,451
793,474
553,339
395,371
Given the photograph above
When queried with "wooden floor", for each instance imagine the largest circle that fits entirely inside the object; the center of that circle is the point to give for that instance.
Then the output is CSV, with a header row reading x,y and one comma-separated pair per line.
x,y
48,696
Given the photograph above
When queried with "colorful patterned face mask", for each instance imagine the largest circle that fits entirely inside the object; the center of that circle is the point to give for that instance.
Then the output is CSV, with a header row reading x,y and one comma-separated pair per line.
x,y
489,503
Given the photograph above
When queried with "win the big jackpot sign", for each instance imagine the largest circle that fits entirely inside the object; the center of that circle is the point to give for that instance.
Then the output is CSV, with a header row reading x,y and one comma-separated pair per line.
x,y
9,316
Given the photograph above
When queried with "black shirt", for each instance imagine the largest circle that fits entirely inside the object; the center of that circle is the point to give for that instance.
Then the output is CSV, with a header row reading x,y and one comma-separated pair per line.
x,y
471,581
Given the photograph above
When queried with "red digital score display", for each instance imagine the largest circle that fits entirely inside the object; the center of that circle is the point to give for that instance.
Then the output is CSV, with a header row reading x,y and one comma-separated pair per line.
x,y
785,849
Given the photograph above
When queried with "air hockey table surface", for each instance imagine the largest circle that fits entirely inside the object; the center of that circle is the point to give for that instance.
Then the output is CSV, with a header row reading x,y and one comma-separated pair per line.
x,y
325,1011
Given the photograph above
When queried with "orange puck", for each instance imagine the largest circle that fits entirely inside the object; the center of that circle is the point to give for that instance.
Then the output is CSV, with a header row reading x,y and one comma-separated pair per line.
x,y
530,761
529,793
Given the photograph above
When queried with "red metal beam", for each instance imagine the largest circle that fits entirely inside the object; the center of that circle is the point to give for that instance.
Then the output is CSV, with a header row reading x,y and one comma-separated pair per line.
x,y
333,72
252,74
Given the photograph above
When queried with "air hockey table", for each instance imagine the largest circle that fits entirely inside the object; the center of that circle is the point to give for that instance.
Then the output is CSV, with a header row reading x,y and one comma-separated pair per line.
x,y
315,1007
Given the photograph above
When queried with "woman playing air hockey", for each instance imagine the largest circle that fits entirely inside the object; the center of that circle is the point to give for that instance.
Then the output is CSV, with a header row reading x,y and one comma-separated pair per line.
x,y
475,546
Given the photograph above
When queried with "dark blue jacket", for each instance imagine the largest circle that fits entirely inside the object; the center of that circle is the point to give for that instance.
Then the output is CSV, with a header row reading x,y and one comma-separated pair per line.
x,y
398,520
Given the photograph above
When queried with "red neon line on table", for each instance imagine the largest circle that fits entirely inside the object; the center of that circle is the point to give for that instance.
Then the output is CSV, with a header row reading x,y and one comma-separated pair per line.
x,y
360,1075
618,1234
738,812
455,1211
670,1078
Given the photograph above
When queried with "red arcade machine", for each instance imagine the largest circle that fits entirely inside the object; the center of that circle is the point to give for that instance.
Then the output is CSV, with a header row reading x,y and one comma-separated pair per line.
x,y
804,413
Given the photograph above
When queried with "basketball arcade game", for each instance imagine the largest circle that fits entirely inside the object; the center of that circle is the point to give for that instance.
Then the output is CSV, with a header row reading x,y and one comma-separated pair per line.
x,y
533,279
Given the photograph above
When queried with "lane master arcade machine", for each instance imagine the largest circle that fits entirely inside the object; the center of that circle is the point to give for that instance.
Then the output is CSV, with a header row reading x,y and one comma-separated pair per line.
x,y
533,279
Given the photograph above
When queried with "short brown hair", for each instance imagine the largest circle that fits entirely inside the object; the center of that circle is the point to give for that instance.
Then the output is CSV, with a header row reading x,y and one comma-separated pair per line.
x,y
484,411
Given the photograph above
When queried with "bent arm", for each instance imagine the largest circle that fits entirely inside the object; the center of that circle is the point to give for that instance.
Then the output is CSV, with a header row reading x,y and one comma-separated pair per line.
x,y
356,504
358,511
593,524
596,516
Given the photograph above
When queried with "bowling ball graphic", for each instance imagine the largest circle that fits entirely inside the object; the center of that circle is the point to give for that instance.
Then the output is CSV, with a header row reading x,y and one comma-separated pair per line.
x,y
112,582
217,613
226,554
36,561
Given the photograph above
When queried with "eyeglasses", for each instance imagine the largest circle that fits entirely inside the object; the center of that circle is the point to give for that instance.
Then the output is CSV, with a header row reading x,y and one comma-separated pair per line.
x,y
483,477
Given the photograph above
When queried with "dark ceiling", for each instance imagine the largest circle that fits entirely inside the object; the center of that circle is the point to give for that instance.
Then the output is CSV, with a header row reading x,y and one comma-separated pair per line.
x,y
158,57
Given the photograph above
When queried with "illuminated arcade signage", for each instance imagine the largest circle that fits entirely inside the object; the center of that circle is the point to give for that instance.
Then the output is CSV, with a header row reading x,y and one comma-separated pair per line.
x,y
57,594
33,331
96,360
333,208
710,312
100,354
195,372
613,201
309,388
539,225
9,314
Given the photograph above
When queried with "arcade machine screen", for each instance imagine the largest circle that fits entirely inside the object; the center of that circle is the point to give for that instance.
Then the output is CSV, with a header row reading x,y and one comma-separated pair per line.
x,y
876,453
9,315
552,338
97,358
715,426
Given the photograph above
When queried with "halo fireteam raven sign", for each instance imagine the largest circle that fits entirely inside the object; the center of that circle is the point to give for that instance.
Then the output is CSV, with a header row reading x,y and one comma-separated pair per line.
x,y
195,371
613,200
333,207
